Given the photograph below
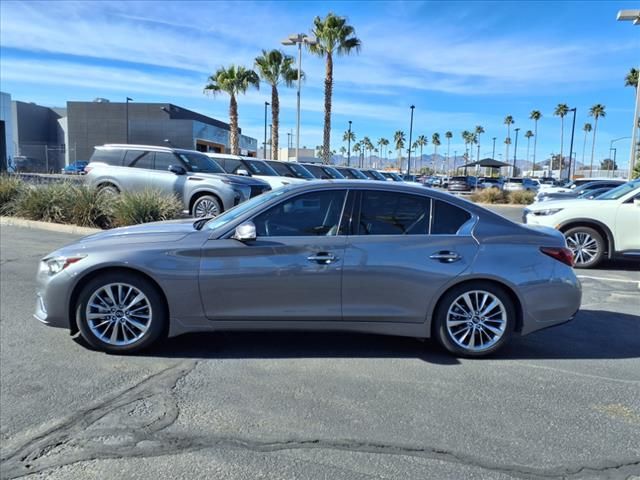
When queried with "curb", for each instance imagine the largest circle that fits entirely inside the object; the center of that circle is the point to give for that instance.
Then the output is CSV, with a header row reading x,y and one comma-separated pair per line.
x,y
52,227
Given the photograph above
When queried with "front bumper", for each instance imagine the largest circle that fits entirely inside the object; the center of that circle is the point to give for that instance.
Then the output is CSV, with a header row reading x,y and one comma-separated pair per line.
x,y
53,293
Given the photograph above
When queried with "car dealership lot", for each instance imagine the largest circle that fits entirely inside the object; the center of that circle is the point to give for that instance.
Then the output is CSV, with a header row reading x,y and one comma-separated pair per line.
x,y
561,402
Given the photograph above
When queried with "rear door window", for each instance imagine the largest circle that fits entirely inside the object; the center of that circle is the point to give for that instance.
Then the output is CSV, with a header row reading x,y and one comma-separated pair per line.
x,y
164,160
447,218
139,159
391,213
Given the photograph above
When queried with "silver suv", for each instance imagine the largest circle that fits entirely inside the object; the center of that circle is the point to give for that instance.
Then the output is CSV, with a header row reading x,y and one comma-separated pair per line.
x,y
205,189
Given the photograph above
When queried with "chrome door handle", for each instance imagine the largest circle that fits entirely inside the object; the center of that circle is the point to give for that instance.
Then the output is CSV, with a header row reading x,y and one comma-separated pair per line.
x,y
324,258
446,257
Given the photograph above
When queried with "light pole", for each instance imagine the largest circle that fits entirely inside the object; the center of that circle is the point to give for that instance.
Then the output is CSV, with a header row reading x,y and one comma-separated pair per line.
x,y
614,141
613,167
573,129
412,107
493,155
299,39
349,145
127,115
515,153
264,145
633,16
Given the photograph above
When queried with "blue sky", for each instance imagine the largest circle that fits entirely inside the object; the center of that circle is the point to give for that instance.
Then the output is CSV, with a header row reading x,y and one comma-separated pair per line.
x,y
461,64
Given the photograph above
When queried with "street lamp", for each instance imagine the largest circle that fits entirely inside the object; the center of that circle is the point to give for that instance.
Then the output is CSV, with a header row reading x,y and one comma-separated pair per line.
x,y
412,107
349,145
573,129
299,39
614,141
127,115
493,155
515,152
633,16
264,145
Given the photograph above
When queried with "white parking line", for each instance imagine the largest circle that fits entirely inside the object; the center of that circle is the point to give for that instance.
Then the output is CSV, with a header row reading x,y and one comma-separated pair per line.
x,y
606,279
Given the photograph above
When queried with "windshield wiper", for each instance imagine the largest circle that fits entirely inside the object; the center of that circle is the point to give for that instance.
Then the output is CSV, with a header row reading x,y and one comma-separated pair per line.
x,y
198,224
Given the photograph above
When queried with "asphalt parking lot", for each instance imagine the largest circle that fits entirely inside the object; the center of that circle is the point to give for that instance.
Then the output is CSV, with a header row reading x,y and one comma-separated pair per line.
x,y
560,403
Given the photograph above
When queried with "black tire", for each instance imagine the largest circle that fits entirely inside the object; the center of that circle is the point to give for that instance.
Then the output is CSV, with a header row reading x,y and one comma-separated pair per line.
x,y
587,245
206,206
157,313
446,338
108,189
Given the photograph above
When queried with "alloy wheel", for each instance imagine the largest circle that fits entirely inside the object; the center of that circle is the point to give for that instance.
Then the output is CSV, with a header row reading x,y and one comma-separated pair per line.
x,y
206,208
476,320
119,314
584,247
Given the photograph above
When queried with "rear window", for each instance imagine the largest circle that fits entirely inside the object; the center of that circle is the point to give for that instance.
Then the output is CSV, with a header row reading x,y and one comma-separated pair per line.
x,y
281,169
299,170
108,156
447,219
332,172
317,171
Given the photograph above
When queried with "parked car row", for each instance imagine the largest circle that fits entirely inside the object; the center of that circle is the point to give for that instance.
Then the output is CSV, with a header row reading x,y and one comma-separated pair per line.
x,y
207,183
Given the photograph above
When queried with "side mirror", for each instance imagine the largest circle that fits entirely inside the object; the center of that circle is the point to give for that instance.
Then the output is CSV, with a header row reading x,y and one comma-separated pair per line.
x,y
245,232
177,169
243,172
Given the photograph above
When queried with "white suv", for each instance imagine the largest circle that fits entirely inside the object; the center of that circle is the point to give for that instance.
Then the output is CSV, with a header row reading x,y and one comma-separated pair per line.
x,y
252,167
605,227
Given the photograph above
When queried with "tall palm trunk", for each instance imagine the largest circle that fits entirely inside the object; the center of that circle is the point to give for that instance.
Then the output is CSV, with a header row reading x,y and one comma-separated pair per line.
x,y
535,144
593,145
328,89
275,121
584,147
506,158
448,155
233,120
561,142
528,142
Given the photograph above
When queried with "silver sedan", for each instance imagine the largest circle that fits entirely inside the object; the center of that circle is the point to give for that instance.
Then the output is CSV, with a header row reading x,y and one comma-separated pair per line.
x,y
342,255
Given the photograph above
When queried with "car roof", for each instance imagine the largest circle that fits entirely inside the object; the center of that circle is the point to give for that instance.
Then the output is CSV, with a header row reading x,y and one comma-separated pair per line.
x,y
155,148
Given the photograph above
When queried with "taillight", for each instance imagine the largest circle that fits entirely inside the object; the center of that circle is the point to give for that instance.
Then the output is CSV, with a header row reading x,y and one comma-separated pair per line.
x,y
562,254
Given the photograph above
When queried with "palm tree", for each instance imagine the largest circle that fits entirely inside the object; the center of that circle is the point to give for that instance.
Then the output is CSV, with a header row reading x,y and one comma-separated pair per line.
x,y
473,140
479,131
367,145
233,81
333,36
528,136
275,67
383,142
508,121
399,139
356,149
596,112
343,150
465,137
561,111
421,142
535,116
631,79
448,135
586,129
319,151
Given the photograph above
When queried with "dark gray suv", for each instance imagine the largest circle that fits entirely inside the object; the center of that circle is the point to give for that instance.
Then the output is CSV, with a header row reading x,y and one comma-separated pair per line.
x,y
202,185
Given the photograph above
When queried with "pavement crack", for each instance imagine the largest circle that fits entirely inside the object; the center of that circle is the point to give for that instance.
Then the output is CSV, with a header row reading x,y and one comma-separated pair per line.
x,y
81,436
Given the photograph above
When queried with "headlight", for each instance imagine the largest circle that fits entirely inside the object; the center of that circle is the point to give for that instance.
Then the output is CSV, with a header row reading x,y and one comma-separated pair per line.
x,y
549,211
57,264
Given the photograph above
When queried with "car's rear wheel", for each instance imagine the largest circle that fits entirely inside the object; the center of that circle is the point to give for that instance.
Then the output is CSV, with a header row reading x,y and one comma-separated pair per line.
x,y
206,206
587,246
474,319
108,189
120,313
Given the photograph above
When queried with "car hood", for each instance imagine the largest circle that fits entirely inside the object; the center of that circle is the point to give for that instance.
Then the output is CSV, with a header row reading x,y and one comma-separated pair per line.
x,y
172,230
575,202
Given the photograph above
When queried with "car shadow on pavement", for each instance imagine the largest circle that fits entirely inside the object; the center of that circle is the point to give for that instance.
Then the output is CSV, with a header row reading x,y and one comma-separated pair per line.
x,y
593,334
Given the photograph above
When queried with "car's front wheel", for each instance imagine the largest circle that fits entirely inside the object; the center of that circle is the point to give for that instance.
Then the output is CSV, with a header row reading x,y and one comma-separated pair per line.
x,y
206,206
120,313
474,319
587,246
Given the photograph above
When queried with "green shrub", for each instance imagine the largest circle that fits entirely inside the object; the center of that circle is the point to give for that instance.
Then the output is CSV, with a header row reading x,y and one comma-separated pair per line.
x,y
521,197
91,207
10,189
130,208
489,195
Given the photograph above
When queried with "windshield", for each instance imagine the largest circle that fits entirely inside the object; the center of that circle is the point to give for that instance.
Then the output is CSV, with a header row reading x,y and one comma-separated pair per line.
x,y
358,174
258,167
332,172
515,180
299,171
239,210
200,163
620,191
